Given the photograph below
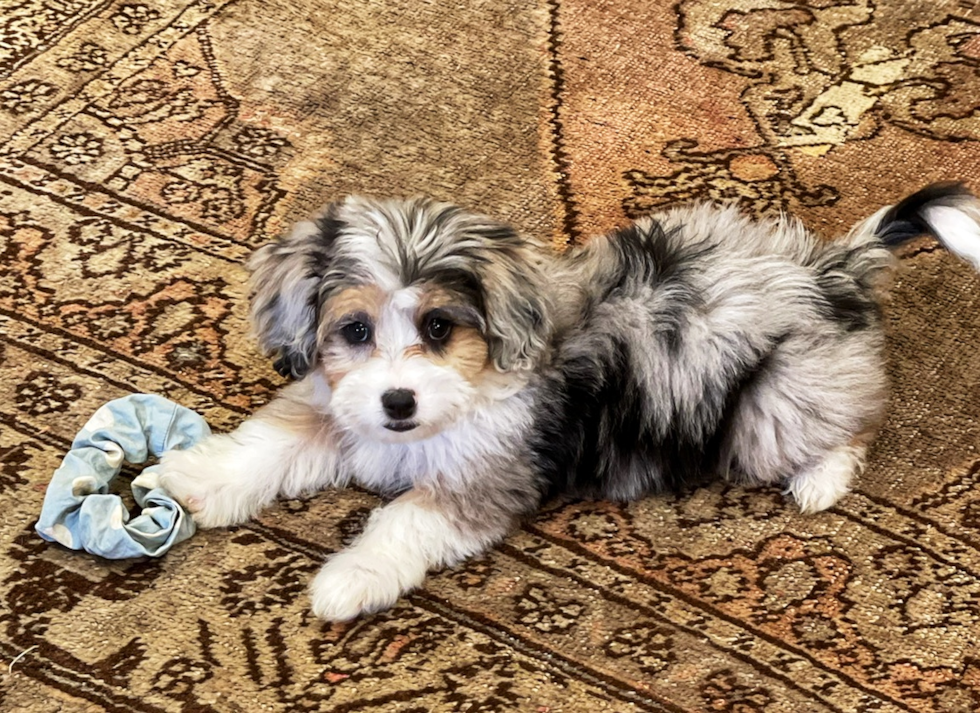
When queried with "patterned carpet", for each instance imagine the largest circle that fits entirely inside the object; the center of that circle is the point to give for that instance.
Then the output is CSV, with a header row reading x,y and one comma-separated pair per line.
x,y
147,147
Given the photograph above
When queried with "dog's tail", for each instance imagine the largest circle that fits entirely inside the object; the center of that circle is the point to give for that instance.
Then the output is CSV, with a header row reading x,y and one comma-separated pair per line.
x,y
948,211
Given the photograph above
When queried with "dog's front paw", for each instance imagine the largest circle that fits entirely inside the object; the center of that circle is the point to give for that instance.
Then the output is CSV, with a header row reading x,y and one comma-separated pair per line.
x,y
197,485
353,583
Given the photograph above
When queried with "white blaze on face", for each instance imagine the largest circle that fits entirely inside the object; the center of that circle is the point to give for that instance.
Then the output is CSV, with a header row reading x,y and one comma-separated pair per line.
x,y
400,360
396,331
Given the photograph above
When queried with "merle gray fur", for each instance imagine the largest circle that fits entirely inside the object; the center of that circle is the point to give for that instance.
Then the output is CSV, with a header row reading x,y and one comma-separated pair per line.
x,y
693,344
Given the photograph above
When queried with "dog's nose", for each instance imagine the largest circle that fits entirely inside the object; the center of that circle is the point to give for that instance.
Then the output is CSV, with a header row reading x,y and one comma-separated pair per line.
x,y
399,403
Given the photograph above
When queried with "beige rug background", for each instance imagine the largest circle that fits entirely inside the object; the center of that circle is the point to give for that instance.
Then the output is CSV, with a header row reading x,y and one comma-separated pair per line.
x,y
147,147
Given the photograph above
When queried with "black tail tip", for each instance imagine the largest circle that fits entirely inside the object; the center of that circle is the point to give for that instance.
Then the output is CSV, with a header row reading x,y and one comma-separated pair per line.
x,y
905,220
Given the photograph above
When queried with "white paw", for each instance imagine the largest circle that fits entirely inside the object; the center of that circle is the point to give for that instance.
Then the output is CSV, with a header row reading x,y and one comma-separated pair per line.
x,y
353,583
197,485
822,486
815,497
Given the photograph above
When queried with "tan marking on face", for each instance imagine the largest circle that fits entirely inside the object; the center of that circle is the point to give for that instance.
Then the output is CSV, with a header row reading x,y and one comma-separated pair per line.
x,y
433,296
368,299
466,352
362,298
333,376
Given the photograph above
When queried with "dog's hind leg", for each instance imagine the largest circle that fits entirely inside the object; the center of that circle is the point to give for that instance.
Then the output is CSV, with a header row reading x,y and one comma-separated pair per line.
x,y
820,486
806,419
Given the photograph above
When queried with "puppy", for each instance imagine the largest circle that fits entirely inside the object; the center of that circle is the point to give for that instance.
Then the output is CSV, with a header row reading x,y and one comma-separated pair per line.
x,y
441,358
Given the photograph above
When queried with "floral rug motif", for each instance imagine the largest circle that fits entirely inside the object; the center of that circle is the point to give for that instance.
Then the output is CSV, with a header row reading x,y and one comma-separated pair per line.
x,y
147,148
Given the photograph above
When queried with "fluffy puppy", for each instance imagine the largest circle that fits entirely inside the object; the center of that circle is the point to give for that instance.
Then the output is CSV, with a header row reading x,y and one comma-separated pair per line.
x,y
441,358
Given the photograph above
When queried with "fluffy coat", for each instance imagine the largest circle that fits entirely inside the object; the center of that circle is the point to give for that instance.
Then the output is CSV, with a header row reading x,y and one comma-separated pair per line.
x,y
442,359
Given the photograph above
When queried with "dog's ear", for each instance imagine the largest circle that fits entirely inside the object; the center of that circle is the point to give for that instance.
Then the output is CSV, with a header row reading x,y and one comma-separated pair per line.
x,y
285,292
515,306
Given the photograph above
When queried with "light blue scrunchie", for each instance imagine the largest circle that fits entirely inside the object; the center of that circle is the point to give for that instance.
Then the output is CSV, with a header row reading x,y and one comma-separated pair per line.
x,y
80,513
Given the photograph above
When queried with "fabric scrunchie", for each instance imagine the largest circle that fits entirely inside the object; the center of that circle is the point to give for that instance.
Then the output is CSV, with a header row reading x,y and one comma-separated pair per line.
x,y
78,510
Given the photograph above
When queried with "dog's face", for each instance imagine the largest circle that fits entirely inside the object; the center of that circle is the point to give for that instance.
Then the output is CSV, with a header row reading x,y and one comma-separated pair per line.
x,y
403,364
415,312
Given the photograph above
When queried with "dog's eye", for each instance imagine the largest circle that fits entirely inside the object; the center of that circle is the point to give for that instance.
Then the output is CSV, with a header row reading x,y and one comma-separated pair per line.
x,y
438,329
356,332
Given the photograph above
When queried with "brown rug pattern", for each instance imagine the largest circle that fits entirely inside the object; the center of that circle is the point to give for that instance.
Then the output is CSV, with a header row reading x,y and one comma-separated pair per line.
x,y
147,147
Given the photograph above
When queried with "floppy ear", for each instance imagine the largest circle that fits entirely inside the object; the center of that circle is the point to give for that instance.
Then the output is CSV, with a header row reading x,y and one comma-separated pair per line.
x,y
285,292
518,321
